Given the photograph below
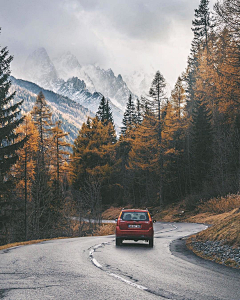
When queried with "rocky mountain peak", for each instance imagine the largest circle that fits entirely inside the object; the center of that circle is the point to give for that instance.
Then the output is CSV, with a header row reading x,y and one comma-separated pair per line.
x,y
40,69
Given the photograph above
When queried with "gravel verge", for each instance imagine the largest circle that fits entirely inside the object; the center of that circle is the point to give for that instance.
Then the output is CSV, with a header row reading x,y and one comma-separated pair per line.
x,y
216,251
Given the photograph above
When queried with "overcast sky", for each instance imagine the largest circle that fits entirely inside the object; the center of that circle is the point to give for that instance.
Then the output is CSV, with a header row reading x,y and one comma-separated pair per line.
x,y
124,35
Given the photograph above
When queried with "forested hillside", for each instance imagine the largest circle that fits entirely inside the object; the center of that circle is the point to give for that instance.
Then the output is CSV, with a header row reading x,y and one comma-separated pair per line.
x,y
186,146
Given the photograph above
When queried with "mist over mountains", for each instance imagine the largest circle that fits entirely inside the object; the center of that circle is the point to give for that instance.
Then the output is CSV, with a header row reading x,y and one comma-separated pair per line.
x,y
85,85
73,90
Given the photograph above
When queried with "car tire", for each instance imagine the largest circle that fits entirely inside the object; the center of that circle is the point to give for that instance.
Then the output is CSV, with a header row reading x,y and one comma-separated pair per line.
x,y
118,242
150,243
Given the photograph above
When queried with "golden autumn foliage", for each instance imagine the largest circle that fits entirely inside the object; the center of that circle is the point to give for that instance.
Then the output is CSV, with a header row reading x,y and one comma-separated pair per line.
x,y
25,166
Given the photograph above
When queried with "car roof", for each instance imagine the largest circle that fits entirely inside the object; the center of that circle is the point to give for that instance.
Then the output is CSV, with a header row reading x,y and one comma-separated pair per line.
x,y
134,210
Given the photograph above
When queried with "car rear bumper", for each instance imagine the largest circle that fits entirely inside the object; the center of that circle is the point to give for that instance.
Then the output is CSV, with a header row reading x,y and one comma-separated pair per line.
x,y
134,234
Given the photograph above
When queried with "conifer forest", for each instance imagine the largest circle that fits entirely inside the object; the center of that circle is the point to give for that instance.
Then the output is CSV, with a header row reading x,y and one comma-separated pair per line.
x,y
185,145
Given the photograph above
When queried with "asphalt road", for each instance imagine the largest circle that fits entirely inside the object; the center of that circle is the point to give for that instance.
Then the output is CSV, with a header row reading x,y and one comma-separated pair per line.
x,y
94,268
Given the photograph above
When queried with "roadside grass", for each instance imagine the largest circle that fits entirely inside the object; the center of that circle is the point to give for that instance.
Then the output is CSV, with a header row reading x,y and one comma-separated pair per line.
x,y
112,213
226,229
17,244
105,229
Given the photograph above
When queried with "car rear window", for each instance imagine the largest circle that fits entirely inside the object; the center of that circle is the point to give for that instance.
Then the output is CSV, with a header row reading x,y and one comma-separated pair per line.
x,y
134,216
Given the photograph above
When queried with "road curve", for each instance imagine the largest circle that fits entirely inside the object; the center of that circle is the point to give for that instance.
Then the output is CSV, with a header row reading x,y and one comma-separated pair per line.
x,y
94,268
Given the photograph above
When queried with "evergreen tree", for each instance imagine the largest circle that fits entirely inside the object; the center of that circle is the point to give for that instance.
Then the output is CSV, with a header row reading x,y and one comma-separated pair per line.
x,y
129,117
201,30
201,25
157,93
138,112
201,144
9,122
109,117
104,113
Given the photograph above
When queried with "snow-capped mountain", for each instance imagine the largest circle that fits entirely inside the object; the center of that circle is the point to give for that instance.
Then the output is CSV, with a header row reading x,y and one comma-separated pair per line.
x,y
75,89
109,85
71,113
51,75
40,69
68,66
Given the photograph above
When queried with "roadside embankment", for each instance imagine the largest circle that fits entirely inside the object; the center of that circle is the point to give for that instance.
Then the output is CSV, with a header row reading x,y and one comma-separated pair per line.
x,y
220,242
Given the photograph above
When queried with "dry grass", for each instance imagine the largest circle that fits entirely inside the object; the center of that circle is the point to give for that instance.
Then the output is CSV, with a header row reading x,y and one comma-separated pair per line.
x,y
225,229
112,213
105,229
221,205
17,244
172,213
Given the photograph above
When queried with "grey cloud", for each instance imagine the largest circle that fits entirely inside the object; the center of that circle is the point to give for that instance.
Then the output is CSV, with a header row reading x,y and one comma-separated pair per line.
x,y
143,19
113,33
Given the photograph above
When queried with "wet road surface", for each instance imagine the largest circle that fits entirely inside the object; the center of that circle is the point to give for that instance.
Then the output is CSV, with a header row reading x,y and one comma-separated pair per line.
x,y
94,268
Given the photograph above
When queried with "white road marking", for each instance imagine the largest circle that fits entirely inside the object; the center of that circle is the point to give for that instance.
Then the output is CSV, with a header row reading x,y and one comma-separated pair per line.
x,y
98,265
129,282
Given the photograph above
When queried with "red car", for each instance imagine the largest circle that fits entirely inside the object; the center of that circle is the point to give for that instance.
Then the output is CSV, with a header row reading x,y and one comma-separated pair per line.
x,y
134,224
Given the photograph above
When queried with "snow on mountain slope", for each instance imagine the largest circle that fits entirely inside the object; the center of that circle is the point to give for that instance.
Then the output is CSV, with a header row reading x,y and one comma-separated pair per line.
x,y
69,112
68,66
109,85
74,89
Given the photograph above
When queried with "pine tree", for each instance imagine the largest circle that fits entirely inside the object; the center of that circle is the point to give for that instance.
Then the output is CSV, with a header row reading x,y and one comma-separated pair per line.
x,y
104,113
157,93
129,117
201,25
138,112
201,144
109,117
9,122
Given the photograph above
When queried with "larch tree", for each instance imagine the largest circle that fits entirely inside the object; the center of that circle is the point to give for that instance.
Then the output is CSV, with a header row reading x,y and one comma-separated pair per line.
x,y
60,156
25,167
178,97
92,158
41,190
158,95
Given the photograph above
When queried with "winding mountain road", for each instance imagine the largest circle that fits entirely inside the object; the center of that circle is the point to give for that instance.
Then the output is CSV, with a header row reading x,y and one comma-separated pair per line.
x,y
94,268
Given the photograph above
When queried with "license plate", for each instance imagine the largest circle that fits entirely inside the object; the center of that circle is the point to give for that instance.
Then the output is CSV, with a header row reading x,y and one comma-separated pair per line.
x,y
134,226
